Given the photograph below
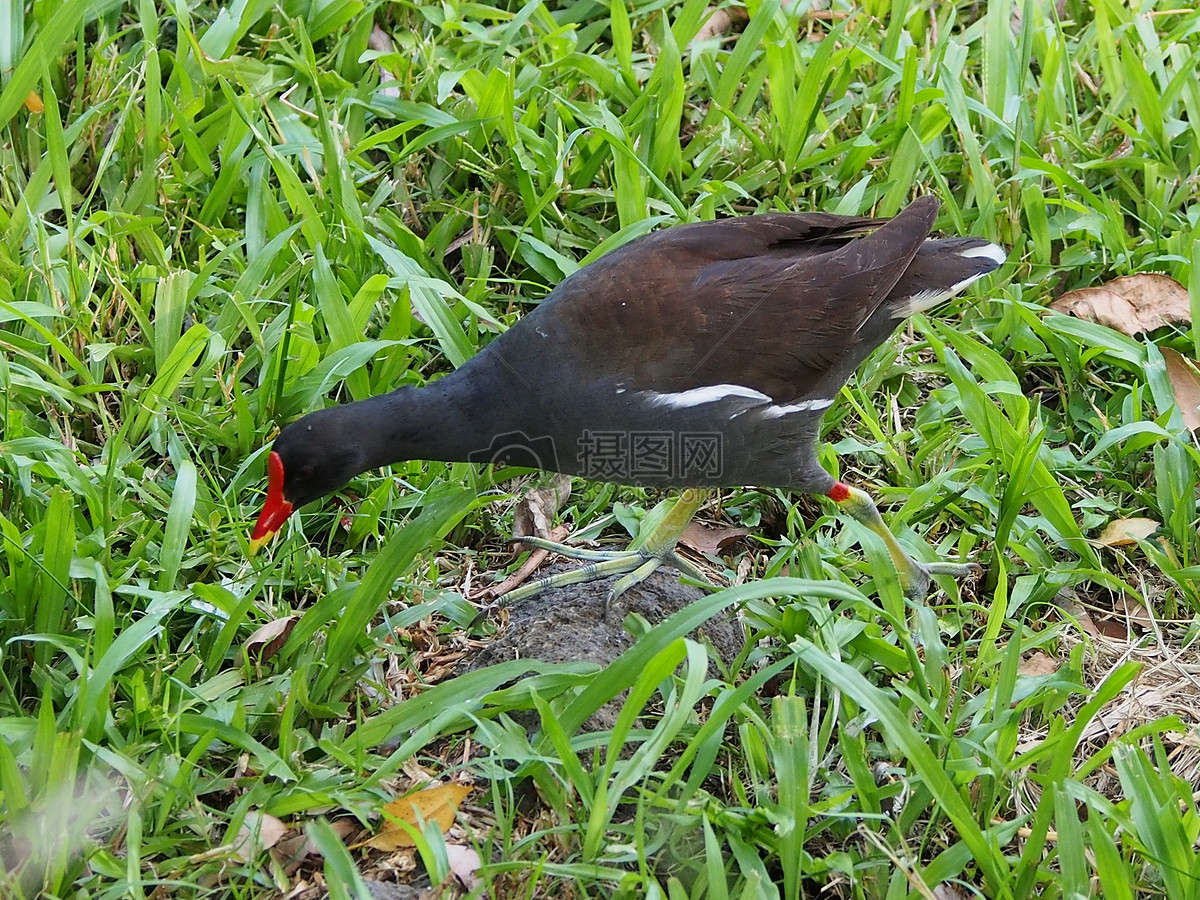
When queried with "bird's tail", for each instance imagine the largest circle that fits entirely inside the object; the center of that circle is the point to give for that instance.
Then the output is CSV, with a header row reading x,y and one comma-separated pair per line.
x,y
942,268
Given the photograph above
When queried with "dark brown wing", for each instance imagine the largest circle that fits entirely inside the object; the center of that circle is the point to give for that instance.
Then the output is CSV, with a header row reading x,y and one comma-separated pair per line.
x,y
766,302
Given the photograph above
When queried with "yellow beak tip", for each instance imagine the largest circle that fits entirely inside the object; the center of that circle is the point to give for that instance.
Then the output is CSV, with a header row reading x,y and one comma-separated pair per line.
x,y
257,544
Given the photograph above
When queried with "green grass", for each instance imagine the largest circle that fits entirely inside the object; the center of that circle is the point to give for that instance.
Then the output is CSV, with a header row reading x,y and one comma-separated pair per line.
x,y
224,218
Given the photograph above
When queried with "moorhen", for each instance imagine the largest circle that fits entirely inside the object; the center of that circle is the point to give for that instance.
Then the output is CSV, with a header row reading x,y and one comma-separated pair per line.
x,y
699,356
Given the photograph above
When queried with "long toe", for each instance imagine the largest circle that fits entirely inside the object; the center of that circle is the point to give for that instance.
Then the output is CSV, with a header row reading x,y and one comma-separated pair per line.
x,y
917,580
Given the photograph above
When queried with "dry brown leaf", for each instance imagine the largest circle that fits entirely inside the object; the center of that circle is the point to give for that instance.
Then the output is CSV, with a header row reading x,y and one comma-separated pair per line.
x,y
266,641
380,41
1037,663
464,863
291,852
343,828
436,804
1112,628
417,773
1087,623
1131,304
260,831
531,565
1123,532
710,541
1185,384
1076,610
719,22
537,508
1136,613
722,20
947,891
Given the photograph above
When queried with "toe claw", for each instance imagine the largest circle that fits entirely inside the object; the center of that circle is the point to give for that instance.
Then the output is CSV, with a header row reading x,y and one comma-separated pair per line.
x,y
916,586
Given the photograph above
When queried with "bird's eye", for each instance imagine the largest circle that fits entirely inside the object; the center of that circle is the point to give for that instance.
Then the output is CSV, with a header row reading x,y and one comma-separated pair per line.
x,y
307,472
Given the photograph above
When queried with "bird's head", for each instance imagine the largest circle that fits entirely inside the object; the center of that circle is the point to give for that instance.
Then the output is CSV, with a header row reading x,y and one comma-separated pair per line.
x,y
310,458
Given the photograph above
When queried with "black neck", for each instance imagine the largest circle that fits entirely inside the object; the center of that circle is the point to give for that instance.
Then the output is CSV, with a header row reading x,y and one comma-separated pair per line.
x,y
451,419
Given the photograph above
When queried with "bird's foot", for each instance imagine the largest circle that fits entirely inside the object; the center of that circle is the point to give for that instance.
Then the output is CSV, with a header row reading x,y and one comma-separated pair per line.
x,y
915,576
647,568
634,566
917,580
597,564
654,546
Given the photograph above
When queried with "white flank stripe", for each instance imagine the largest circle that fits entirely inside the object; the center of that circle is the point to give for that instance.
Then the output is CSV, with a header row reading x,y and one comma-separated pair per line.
x,y
708,394
815,405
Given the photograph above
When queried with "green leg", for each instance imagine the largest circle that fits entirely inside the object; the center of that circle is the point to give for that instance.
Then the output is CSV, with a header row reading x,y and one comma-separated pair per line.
x,y
650,549
914,575
613,564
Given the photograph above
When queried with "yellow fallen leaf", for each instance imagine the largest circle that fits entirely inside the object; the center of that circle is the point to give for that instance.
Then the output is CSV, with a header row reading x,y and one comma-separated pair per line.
x,y
436,804
34,103
1123,532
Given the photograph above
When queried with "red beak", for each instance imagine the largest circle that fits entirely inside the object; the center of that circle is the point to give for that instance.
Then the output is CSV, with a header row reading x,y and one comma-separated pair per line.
x,y
275,510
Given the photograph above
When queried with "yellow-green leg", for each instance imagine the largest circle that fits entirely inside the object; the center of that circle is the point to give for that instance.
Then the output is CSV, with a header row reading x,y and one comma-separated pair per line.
x,y
649,550
914,575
